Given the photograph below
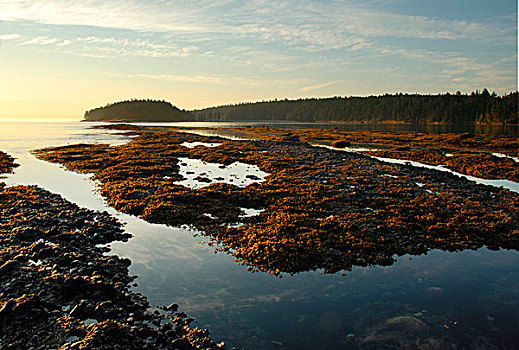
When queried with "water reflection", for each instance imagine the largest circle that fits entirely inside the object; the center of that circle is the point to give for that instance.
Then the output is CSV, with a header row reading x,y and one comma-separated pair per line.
x,y
312,310
476,289
198,174
510,130
507,184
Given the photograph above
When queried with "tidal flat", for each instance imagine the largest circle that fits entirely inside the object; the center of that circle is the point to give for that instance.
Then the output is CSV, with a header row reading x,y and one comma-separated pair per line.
x,y
58,288
317,208
222,184
479,155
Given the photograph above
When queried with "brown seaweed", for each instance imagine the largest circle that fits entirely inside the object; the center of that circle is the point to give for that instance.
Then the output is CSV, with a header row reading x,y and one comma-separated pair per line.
x,y
323,209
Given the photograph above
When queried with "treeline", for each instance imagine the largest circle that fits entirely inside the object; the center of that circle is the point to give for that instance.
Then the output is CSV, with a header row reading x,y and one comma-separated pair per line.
x,y
138,110
479,106
476,107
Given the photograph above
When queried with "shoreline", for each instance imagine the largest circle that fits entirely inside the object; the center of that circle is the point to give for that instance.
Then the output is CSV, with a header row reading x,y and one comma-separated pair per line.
x,y
309,194
281,121
59,289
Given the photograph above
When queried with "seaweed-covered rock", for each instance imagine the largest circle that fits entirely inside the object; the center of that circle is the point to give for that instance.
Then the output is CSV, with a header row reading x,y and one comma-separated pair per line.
x,y
58,289
318,208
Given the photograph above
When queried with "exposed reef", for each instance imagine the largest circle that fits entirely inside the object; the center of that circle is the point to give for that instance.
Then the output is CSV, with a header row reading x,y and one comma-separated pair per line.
x,y
322,209
478,164
465,153
59,289
7,163
462,141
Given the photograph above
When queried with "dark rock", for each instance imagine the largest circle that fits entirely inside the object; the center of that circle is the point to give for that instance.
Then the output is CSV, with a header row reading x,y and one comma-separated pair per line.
x,y
341,144
9,266
181,344
401,149
171,307
6,308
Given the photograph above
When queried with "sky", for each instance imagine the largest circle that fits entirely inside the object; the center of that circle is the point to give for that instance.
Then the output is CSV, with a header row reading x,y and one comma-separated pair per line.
x,y
59,58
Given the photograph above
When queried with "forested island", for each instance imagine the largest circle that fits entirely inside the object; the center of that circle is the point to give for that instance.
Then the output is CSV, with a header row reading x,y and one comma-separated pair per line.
x,y
138,110
457,108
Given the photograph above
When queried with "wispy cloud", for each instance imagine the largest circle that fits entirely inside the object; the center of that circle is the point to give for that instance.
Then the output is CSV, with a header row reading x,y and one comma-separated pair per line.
x,y
205,79
314,40
41,40
9,36
293,27
134,15
109,47
64,43
319,86
212,79
313,22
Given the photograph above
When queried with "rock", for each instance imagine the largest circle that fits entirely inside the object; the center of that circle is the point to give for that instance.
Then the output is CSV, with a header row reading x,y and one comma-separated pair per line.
x,y
401,149
407,322
80,311
9,266
291,138
301,178
341,144
6,308
181,344
202,179
171,307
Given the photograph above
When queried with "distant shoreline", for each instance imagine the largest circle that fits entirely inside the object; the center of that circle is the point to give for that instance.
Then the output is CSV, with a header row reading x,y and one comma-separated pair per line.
x,y
449,109
281,121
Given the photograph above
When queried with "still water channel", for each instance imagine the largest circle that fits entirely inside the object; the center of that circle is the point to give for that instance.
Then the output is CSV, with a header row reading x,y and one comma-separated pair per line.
x,y
470,297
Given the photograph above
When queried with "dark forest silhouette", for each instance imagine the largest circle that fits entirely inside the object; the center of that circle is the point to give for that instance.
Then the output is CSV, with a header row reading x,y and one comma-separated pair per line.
x,y
138,110
478,106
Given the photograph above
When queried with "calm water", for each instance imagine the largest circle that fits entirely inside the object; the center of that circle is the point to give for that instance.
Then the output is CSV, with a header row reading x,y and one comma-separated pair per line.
x,y
511,130
473,293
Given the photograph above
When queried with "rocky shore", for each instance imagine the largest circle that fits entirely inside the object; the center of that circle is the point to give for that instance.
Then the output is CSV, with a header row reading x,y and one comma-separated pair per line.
x,y
6,164
59,289
477,164
465,153
320,209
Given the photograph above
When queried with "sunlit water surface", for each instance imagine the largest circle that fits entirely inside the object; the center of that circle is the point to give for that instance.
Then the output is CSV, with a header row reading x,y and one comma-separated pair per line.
x,y
476,289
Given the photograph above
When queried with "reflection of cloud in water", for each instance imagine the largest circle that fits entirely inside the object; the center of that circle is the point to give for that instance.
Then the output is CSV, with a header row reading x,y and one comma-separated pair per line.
x,y
501,155
349,149
239,306
249,212
227,299
507,184
237,173
204,144
170,244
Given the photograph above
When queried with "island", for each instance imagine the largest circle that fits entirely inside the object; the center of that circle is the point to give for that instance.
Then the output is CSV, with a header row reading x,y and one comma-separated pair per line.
x,y
138,110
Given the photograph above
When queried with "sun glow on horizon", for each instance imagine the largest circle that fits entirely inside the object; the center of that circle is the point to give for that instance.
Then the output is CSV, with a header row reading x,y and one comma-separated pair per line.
x,y
60,58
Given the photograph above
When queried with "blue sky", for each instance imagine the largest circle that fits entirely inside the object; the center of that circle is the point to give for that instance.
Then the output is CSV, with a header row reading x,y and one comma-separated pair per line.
x,y
58,58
